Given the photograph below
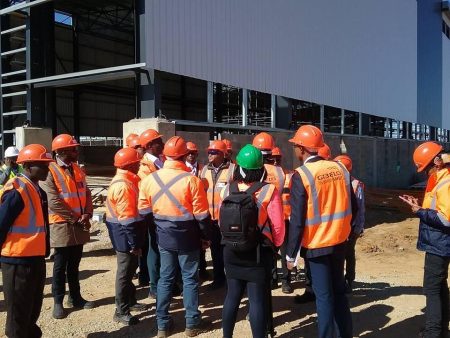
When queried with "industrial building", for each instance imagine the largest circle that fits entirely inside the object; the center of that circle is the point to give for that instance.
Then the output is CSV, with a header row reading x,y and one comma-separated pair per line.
x,y
375,76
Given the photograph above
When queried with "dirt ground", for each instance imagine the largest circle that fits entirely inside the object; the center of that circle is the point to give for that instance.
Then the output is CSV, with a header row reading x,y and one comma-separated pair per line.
x,y
387,300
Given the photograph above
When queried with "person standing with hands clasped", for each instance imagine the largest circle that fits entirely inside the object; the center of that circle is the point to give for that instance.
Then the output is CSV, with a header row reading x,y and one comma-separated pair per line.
x,y
434,236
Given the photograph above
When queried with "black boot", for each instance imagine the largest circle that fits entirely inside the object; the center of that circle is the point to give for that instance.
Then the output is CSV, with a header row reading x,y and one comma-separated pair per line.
x,y
58,311
125,319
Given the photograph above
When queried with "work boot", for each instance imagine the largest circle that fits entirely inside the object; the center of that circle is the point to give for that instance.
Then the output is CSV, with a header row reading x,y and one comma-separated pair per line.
x,y
202,327
80,303
152,294
166,332
125,319
58,311
286,288
138,307
307,297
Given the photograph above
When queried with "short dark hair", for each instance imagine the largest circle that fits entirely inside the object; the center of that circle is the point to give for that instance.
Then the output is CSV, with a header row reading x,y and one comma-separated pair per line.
x,y
251,175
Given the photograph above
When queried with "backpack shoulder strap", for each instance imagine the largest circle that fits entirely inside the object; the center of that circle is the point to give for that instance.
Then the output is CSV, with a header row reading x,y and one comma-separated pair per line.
x,y
233,187
255,187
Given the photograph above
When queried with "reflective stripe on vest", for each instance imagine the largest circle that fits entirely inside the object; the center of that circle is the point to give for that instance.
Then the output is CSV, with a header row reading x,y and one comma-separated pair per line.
x,y
213,192
275,176
286,196
165,190
112,216
433,206
27,234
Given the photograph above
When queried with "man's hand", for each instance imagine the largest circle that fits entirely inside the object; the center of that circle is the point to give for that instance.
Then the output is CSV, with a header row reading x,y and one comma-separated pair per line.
x,y
137,252
290,265
411,201
84,220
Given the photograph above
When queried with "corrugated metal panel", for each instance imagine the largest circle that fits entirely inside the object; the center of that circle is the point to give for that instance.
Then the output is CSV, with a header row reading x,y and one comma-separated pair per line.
x,y
357,55
445,82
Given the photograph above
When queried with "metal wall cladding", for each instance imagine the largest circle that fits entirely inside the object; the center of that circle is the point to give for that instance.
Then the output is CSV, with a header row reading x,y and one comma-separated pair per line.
x,y
445,82
357,55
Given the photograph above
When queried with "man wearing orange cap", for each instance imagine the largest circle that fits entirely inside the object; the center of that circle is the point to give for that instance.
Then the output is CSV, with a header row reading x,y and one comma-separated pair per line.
x,y
153,146
191,159
126,230
325,152
229,153
177,202
215,176
133,141
24,242
277,156
70,209
322,205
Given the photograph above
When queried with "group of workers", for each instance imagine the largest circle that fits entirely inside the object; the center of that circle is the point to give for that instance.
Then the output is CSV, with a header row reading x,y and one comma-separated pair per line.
x,y
164,210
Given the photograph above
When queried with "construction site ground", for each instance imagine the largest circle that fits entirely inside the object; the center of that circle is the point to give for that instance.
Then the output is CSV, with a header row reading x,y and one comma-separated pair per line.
x,y
387,300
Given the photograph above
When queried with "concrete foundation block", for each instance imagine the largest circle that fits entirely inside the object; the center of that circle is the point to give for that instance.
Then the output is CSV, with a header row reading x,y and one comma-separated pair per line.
x,y
30,135
137,126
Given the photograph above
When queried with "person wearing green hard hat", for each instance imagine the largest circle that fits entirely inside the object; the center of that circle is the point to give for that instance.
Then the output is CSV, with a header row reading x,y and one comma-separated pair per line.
x,y
248,262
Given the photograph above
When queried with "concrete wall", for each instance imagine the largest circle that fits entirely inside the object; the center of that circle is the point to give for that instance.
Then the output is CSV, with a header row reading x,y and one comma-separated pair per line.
x,y
25,136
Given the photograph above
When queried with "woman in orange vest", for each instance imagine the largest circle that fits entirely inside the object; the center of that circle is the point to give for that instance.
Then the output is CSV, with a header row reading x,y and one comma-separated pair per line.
x,y
126,230
24,239
243,269
70,209
322,205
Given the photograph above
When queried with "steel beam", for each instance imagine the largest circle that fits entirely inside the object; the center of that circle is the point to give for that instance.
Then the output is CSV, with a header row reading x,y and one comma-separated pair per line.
x,y
22,5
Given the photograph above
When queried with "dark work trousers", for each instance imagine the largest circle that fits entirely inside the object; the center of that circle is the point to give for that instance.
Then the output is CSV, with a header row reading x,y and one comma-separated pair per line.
x,y
257,297
437,296
66,262
328,283
285,272
153,260
217,253
23,287
308,282
350,259
125,289
202,263
144,278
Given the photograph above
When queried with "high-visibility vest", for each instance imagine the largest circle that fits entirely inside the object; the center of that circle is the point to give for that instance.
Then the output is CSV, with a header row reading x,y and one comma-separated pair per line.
x,y
214,188
329,210
12,174
124,186
72,190
263,197
275,176
439,197
146,168
26,238
286,196
198,169
168,194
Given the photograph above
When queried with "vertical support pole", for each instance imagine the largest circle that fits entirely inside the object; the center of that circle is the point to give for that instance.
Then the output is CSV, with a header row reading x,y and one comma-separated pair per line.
x,y
322,118
342,121
244,107
210,102
76,67
273,110
360,123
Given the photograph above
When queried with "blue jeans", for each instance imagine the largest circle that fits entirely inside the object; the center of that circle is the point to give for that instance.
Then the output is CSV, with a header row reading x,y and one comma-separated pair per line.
x,y
188,262
328,283
257,294
153,260
217,254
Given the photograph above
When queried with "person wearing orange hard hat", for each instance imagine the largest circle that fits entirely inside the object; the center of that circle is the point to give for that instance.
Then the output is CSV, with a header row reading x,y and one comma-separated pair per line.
x,y
153,146
24,241
70,209
126,230
325,152
358,222
133,141
130,138
322,205
177,202
276,156
215,177
191,159
229,153
434,236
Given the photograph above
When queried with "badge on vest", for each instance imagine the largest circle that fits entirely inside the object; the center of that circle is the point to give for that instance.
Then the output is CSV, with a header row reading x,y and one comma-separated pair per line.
x,y
221,184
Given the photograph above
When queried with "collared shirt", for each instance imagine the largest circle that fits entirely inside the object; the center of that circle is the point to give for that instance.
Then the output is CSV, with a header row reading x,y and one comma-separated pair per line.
x,y
192,167
61,163
156,161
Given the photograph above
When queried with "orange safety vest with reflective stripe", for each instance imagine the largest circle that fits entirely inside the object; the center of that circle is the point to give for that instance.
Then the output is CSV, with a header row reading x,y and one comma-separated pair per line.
x,y
329,209
123,187
146,168
275,176
263,197
173,194
213,189
439,197
26,238
286,196
72,190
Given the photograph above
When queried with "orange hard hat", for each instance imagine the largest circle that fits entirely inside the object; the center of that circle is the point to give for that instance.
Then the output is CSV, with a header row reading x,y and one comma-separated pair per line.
x,y
308,136
175,147
325,152
135,143
34,153
425,154
276,151
345,160
263,141
148,136
228,144
64,141
191,146
130,138
218,145
126,156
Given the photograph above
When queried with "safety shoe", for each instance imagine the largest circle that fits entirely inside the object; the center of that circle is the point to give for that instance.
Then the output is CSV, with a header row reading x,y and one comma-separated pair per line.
x,y
307,297
125,319
152,294
286,288
202,327
166,332
80,303
138,307
58,311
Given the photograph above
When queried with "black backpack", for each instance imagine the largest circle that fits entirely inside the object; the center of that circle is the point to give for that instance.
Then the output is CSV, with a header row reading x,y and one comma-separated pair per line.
x,y
238,218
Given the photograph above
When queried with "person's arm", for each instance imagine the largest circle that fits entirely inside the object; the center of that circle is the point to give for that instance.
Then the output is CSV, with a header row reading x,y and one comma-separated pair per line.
x,y
89,209
11,207
360,219
434,219
4,175
298,204
276,216
144,201
200,208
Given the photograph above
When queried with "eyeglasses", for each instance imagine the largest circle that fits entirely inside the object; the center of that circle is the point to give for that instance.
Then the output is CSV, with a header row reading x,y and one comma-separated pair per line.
x,y
214,152
192,153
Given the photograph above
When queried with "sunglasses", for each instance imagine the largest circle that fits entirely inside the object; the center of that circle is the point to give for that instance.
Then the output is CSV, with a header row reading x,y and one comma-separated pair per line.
x,y
214,152
192,153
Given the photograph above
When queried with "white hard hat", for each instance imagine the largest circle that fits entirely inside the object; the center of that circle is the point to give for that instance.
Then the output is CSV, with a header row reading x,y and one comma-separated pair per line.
x,y
11,152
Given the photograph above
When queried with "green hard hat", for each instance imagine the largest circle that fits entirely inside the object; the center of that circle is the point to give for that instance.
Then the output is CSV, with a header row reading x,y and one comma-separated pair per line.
x,y
250,157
